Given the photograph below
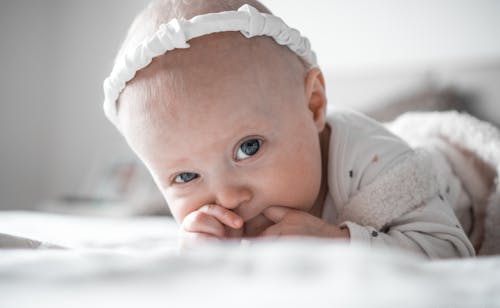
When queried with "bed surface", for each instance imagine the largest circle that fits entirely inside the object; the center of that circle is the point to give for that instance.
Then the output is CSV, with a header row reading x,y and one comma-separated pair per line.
x,y
132,262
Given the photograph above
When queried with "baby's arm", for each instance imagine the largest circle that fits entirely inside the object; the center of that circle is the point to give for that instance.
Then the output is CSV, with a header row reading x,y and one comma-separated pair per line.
x,y
401,204
387,193
299,223
432,229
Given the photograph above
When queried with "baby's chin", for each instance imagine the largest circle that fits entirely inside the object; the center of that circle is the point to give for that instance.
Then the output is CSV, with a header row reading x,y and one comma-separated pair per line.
x,y
255,226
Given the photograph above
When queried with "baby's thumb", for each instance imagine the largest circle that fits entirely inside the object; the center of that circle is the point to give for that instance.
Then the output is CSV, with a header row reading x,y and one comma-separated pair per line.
x,y
276,213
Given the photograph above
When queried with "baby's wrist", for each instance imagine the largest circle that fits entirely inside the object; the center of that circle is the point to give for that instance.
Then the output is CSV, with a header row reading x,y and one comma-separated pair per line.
x,y
335,231
344,232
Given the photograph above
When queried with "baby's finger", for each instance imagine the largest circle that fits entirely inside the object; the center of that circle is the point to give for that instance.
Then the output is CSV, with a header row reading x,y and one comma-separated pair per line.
x,y
276,213
201,222
224,215
272,231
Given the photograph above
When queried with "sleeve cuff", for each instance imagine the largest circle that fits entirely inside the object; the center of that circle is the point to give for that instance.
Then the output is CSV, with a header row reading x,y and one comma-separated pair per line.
x,y
359,234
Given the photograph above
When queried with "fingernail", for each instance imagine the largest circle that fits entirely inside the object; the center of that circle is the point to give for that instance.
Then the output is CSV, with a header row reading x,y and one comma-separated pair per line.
x,y
237,222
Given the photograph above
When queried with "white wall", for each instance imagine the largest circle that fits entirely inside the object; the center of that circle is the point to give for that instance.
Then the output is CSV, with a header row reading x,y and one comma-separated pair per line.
x,y
55,54
361,35
26,97
53,58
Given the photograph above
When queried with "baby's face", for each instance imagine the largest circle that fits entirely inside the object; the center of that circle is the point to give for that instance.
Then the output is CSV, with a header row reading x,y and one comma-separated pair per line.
x,y
239,136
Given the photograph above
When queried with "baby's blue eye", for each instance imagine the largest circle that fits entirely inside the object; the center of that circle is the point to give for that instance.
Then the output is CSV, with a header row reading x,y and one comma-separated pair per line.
x,y
248,148
185,177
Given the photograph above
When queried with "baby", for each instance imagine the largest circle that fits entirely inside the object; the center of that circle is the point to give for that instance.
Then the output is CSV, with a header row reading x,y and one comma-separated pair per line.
x,y
235,133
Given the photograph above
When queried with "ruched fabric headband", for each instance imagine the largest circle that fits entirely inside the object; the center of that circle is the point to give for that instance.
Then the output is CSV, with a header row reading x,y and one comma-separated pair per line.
x,y
175,34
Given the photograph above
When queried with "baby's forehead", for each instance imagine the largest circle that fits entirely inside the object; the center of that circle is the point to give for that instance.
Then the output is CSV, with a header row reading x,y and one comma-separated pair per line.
x,y
229,54
215,65
203,116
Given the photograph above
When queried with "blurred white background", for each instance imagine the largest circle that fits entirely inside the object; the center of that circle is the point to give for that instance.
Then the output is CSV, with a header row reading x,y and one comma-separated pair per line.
x,y
55,55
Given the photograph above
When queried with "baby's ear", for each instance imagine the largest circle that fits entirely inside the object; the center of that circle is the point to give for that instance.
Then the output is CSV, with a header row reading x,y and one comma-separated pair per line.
x,y
316,96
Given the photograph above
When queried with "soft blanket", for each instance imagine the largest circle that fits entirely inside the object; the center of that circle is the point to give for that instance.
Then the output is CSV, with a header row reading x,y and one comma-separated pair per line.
x,y
135,262
477,141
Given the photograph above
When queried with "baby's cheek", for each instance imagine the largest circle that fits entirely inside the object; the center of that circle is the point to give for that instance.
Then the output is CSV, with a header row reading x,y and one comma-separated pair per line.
x,y
291,187
182,206
296,179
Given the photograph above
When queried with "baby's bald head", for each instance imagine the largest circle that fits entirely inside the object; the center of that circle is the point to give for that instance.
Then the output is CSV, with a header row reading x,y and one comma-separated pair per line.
x,y
215,57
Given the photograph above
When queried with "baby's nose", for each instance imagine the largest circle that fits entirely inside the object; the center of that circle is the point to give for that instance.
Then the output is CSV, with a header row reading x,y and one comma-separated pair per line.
x,y
232,196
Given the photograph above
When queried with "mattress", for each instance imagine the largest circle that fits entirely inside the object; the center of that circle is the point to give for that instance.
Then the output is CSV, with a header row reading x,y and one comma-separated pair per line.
x,y
136,261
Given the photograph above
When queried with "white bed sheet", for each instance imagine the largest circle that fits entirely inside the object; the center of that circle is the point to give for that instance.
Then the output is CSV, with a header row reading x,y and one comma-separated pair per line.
x,y
134,262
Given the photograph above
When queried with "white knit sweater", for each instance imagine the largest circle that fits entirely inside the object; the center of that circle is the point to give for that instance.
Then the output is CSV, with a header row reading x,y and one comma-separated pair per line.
x,y
389,194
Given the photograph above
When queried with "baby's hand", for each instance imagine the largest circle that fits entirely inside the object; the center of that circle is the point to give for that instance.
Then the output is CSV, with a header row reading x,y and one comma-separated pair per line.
x,y
294,222
211,221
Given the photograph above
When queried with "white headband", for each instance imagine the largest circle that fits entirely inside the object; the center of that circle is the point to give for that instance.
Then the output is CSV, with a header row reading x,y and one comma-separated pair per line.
x,y
176,33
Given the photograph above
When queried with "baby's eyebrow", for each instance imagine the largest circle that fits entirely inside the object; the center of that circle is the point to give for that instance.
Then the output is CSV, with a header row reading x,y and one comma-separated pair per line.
x,y
173,165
